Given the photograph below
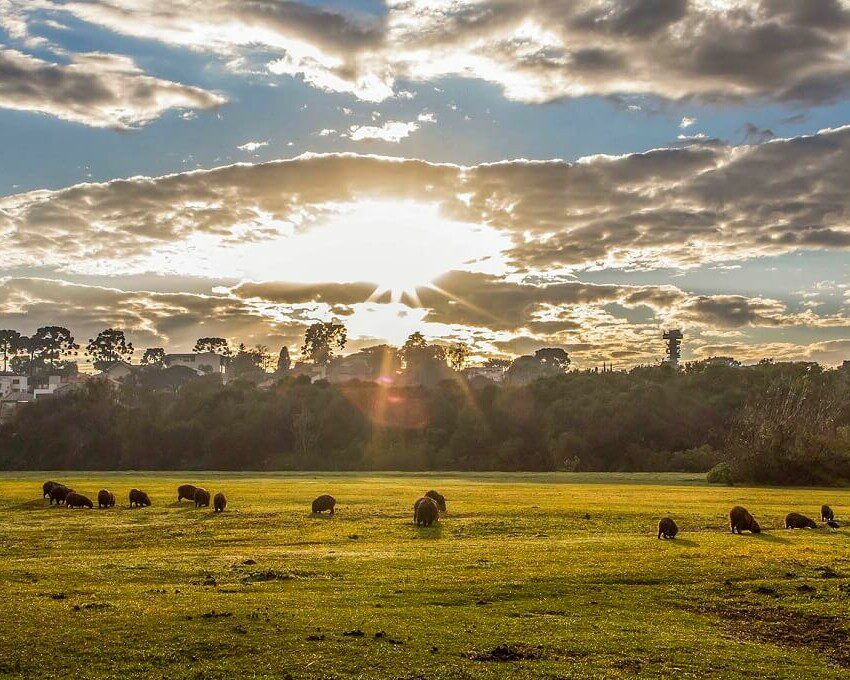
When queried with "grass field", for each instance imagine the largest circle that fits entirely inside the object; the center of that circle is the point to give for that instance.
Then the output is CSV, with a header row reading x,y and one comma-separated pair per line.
x,y
527,576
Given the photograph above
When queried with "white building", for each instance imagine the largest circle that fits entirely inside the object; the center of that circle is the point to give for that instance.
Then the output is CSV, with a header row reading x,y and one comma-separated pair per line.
x,y
11,382
203,363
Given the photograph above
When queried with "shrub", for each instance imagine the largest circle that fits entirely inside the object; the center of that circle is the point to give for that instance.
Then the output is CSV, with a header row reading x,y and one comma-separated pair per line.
x,y
722,473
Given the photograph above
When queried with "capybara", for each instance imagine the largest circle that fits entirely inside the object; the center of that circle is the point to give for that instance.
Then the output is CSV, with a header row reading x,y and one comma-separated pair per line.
x,y
105,499
46,488
425,511
740,520
139,498
794,520
58,493
667,528
77,500
439,499
324,502
220,502
202,497
832,524
186,491
826,512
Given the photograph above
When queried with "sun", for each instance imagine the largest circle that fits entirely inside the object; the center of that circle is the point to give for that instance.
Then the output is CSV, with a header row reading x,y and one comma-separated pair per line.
x,y
398,246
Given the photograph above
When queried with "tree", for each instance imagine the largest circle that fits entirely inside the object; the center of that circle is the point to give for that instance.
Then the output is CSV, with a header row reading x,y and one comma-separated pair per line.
x,y
553,358
263,358
153,356
217,345
414,343
283,360
109,346
494,362
10,344
321,339
457,354
49,344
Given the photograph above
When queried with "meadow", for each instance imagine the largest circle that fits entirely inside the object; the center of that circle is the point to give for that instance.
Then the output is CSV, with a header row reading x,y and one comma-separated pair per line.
x,y
528,575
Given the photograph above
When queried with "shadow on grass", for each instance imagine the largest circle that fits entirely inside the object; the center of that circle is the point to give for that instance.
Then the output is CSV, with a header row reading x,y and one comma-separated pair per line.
x,y
770,538
35,504
434,531
319,515
683,542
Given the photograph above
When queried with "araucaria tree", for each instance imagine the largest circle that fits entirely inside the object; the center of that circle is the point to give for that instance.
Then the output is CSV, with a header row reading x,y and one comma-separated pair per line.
x,y
109,346
321,339
50,343
217,345
10,343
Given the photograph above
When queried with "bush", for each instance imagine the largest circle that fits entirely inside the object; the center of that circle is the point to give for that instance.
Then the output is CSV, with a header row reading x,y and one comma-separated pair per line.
x,y
722,473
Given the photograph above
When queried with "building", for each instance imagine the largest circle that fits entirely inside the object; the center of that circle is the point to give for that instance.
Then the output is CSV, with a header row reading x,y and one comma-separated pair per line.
x,y
11,382
116,372
372,364
203,363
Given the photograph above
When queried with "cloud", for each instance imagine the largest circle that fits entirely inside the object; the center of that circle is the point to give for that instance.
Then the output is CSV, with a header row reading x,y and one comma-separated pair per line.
x,y
687,122
95,89
472,299
536,51
252,146
392,131
679,207
174,320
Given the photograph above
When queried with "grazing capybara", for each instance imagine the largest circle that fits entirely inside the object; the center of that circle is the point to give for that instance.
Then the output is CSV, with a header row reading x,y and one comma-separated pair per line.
x,y
667,528
46,488
105,499
832,524
740,520
58,493
139,498
186,491
826,512
425,511
77,500
324,502
439,499
220,502
794,520
202,498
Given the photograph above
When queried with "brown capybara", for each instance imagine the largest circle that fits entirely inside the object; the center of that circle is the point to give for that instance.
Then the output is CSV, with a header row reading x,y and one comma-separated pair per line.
x,y
46,488
667,528
202,498
220,502
826,513
58,493
425,511
186,491
740,520
324,502
105,499
794,520
139,498
77,500
438,498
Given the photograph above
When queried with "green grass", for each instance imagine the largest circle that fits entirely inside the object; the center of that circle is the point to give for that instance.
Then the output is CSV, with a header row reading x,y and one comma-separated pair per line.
x,y
120,592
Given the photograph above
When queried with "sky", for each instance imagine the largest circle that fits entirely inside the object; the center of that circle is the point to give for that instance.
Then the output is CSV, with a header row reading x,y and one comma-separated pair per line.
x,y
512,174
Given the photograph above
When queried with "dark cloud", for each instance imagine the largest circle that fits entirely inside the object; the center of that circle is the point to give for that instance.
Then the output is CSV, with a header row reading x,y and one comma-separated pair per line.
x,y
536,50
100,90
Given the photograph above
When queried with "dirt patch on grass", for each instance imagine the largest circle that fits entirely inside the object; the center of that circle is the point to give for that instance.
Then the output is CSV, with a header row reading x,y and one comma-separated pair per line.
x,y
818,633
506,652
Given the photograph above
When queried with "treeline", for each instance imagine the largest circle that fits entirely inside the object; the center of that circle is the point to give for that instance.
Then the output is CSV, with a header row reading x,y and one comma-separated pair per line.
x,y
785,423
